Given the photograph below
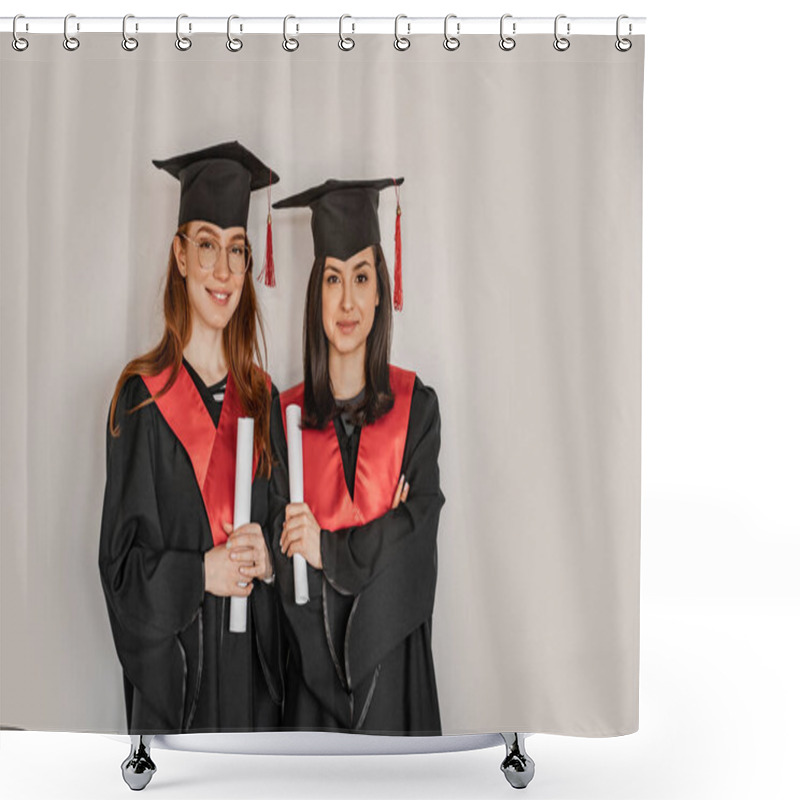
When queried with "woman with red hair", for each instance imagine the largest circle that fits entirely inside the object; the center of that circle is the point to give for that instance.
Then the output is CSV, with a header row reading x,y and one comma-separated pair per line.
x,y
169,558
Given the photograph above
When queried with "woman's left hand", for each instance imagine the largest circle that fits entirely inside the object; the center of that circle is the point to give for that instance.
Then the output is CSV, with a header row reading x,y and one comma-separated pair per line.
x,y
248,547
301,534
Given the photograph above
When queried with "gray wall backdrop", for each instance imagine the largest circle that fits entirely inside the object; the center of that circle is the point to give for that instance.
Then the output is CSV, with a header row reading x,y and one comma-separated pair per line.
x,y
522,278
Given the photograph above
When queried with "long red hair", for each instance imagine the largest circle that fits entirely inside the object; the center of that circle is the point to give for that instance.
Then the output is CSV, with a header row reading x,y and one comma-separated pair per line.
x,y
240,340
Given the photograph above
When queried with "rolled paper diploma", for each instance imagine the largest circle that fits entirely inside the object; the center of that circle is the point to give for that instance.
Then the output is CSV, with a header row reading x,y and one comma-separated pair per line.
x,y
294,443
242,497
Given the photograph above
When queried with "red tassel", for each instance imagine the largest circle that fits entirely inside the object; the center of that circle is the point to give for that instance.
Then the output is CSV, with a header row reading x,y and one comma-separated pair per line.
x,y
398,260
269,264
267,274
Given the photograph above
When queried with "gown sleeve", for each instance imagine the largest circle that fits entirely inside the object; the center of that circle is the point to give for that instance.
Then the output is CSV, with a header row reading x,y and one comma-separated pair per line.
x,y
353,557
279,485
379,577
266,524
390,563
264,604
152,591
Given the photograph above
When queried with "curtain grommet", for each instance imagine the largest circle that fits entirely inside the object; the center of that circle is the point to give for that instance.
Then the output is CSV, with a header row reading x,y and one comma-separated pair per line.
x,y
289,44
183,43
129,43
401,43
71,43
451,43
233,44
507,43
17,41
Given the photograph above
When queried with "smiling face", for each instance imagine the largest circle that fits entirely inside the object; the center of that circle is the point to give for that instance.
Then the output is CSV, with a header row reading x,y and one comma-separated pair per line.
x,y
213,293
349,298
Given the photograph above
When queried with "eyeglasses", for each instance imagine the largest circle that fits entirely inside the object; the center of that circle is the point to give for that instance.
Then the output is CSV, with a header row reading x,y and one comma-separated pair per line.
x,y
208,250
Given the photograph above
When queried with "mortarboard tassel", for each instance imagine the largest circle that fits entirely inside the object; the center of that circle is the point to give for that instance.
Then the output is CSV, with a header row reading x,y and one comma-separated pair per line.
x,y
398,257
267,273
270,261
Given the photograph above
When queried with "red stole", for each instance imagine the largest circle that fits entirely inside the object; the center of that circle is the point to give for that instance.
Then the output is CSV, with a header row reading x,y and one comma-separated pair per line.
x,y
380,458
211,450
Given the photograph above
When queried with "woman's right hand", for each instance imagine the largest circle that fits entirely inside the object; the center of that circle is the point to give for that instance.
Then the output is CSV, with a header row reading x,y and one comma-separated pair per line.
x,y
401,492
222,574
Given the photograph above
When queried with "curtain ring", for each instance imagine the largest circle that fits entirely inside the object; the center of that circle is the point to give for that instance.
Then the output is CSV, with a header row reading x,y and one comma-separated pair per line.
x,y
345,42
507,42
290,44
451,42
623,45
70,42
182,42
18,43
561,43
233,44
401,42
129,43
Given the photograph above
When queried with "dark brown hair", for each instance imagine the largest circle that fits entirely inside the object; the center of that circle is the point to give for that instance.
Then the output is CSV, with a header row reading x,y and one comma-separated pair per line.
x,y
240,342
319,405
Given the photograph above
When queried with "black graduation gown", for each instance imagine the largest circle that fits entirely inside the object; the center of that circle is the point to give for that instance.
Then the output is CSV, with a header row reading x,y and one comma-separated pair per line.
x,y
182,668
364,638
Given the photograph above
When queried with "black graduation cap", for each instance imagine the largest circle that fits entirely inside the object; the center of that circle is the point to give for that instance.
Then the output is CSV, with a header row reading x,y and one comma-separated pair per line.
x,y
344,220
216,183
215,187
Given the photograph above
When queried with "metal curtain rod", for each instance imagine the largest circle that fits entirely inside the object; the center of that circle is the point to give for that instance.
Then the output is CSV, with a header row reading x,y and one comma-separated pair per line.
x,y
459,26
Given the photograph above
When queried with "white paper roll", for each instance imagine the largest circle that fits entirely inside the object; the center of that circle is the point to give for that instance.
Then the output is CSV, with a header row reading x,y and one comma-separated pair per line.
x,y
243,494
294,444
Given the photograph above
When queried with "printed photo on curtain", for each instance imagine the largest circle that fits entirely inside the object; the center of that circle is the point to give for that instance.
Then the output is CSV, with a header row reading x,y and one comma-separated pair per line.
x,y
322,379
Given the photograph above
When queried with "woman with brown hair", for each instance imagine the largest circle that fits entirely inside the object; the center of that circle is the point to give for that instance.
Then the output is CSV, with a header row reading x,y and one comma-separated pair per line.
x,y
169,558
359,656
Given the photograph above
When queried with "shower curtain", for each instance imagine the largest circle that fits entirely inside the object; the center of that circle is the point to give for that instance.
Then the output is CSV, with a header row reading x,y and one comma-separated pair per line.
x,y
521,277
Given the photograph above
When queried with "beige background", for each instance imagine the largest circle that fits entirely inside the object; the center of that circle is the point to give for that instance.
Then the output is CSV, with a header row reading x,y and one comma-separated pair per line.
x,y
522,272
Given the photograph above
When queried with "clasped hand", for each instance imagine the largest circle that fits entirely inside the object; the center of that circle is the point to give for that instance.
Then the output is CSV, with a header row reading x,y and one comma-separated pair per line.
x,y
239,560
